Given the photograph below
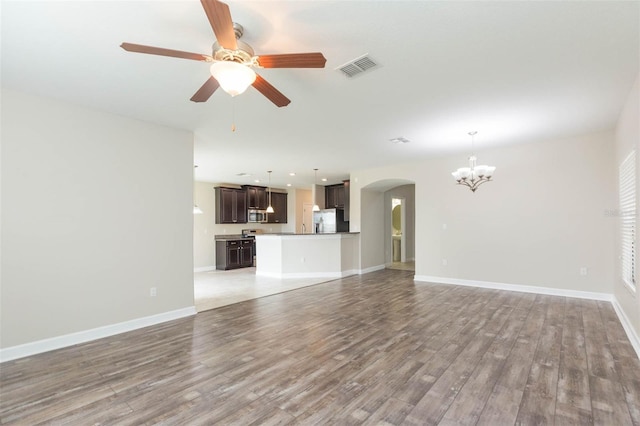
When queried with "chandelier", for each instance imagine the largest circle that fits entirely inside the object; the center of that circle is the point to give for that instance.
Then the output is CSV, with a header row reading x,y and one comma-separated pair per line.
x,y
474,175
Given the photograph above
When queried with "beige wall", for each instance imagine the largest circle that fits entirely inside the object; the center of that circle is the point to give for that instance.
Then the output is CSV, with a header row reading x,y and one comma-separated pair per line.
x,y
204,228
96,210
537,224
372,234
302,196
627,139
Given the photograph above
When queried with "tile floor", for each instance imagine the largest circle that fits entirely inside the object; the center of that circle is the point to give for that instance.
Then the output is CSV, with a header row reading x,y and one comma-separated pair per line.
x,y
214,289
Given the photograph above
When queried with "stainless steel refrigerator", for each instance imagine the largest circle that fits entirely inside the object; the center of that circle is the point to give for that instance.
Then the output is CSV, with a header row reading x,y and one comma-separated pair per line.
x,y
329,221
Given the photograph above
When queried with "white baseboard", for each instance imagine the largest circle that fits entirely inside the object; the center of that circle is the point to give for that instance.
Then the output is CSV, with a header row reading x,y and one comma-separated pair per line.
x,y
371,269
626,324
516,287
204,268
46,345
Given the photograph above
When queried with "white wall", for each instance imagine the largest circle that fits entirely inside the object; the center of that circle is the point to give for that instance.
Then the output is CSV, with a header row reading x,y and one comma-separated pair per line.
x,y
627,139
96,210
537,224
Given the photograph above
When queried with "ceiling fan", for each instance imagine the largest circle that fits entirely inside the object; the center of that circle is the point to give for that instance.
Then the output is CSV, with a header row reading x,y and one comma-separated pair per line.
x,y
233,60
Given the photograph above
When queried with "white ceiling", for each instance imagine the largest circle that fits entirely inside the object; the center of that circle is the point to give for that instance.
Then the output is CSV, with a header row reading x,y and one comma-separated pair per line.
x,y
514,71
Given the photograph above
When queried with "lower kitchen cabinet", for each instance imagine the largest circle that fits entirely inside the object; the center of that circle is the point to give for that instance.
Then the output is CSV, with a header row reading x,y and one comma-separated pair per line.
x,y
233,254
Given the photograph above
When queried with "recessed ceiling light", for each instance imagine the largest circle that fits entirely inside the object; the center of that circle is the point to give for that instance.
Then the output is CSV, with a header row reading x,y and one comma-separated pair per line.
x,y
288,184
324,179
399,140
292,174
257,181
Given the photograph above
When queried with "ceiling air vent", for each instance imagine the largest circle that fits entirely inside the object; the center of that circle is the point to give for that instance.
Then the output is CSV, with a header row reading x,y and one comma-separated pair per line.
x,y
358,66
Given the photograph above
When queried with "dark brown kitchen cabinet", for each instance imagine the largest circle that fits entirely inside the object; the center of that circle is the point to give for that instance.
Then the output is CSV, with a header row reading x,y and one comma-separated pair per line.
x,y
233,254
256,197
279,204
231,205
334,196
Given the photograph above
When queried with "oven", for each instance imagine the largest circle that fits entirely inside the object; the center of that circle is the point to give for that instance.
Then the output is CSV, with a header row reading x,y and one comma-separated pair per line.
x,y
256,216
251,234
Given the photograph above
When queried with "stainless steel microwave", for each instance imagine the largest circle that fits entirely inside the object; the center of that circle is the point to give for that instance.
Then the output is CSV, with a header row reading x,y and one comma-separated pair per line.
x,y
257,216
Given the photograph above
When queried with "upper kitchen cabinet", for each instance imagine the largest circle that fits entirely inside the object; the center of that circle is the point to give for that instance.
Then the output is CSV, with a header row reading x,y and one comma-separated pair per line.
x,y
231,205
256,197
279,204
334,196
338,197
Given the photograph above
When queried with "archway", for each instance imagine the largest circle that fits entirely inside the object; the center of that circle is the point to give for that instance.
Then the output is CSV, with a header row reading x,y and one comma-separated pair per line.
x,y
377,233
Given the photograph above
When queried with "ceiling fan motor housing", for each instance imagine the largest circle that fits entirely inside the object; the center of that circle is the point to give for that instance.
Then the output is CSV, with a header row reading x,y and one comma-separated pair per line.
x,y
244,53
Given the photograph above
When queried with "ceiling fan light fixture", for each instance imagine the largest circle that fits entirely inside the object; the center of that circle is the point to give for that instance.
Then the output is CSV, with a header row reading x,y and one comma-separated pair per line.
x,y
233,77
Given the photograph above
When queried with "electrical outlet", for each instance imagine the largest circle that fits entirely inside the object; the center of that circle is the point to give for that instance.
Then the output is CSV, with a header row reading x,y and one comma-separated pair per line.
x,y
153,292
444,262
583,271
444,226
302,259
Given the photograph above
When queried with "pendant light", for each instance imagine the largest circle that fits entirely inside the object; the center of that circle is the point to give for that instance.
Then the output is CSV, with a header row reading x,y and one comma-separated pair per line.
x,y
196,209
315,208
270,207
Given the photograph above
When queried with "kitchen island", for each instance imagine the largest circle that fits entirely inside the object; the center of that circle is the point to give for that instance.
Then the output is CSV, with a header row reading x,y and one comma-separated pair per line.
x,y
333,255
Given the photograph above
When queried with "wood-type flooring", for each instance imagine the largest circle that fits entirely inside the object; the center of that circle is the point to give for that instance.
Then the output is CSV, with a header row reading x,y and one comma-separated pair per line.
x,y
376,349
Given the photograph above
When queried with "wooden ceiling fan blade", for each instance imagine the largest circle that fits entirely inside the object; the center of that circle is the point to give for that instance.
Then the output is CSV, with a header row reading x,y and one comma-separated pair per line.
x,y
293,60
139,48
220,20
205,92
270,92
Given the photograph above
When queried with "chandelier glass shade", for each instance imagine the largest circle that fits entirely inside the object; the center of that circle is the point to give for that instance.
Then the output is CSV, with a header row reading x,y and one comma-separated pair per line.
x,y
233,77
474,175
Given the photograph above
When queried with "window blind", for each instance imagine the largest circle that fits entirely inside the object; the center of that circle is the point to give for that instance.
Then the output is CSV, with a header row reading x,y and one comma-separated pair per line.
x,y
627,196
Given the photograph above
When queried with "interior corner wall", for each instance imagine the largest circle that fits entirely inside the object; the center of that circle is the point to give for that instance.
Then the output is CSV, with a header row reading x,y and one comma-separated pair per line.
x,y
627,138
539,222
96,210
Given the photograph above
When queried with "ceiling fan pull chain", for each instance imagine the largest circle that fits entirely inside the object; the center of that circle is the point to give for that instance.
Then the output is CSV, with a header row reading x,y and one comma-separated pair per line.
x,y
233,114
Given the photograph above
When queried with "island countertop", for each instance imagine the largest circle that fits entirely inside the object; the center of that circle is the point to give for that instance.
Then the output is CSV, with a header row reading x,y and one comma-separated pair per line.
x,y
284,234
289,255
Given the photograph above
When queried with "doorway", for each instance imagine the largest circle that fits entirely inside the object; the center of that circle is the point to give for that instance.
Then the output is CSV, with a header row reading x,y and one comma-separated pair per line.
x,y
398,230
307,218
